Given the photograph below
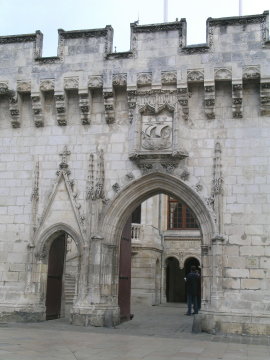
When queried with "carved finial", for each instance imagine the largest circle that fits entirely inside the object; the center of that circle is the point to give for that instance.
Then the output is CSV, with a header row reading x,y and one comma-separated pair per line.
x,y
35,195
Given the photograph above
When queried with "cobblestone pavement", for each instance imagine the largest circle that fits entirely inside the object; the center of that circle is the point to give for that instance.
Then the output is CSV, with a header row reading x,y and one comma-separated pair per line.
x,y
155,333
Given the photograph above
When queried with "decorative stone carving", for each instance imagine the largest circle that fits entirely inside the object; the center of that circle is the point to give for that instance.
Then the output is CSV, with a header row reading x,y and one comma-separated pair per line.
x,y
119,80
209,100
198,187
84,105
184,174
24,87
71,83
237,95
265,98
95,82
183,101
144,79
4,88
14,111
217,187
37,110
156,130
35,197
64,172
109,107
116,187
130,176
205,249
132,99
60,106
223,74
195,76
47,85
168,77
96,176
251,73
162,165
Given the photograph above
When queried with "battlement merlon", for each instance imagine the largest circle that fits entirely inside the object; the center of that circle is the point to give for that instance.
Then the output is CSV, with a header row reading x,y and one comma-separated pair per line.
x,y
222,34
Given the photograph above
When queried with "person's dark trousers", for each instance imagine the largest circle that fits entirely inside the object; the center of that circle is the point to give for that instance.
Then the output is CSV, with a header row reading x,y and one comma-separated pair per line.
x,y
192,300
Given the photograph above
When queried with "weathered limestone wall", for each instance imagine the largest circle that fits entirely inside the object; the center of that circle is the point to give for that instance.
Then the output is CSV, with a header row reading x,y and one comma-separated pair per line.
x,y
198,115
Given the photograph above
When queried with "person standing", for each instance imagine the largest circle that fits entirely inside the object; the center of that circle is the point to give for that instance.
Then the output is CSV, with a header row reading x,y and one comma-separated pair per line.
x,y
192,281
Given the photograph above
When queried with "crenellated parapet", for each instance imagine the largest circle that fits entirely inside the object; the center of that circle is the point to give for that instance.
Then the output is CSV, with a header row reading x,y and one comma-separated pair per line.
x,y
236,52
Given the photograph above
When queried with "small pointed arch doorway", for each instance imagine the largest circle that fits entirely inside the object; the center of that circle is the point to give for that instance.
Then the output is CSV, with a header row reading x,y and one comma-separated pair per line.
x,y
61,271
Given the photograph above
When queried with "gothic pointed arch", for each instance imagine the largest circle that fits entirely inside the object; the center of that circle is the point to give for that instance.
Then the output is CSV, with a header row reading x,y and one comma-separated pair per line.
x,y
47,237
125,202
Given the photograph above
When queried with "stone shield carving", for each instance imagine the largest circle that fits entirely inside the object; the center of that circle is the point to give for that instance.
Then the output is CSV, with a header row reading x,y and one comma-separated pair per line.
x,y
157,131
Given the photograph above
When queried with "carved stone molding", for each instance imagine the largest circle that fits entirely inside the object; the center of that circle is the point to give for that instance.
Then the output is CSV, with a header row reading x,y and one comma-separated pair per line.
x,y
60,105
130,176
237,96
168,77
209,100
265,98
223,74
109,107
84,105
47,85
95,81
35,197
24,87
4,88
71,83
183,97
164,163
251,72
37,108
116,187
195,76
144,79
14,111
119,80
217,187
132,99
96,176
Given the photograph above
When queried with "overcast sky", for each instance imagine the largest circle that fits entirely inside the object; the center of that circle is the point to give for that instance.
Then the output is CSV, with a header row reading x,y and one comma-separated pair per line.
x,y
27,16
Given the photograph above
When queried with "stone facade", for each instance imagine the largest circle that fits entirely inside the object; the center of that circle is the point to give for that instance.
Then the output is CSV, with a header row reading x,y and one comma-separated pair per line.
x,y
88,135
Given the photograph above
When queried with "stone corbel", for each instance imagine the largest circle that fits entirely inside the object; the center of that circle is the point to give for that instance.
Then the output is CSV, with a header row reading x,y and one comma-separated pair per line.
x,y
84,105
132,100
265,97
60,105
209,100
109,107
183,101
237,99
37,106
14,109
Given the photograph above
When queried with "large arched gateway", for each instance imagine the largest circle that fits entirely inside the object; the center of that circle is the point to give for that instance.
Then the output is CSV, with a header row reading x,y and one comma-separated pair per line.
x,y
116,215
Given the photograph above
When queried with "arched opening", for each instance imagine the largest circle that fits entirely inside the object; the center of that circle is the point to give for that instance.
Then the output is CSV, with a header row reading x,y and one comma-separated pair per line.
x,y
174,281
62,274
55,277
144,254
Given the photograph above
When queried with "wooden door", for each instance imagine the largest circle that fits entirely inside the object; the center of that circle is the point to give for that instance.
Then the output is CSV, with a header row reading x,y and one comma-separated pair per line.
x,y
124,291
55,275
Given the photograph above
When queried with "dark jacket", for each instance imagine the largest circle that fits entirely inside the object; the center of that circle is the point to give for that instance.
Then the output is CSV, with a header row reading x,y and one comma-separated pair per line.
x,y
193,280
